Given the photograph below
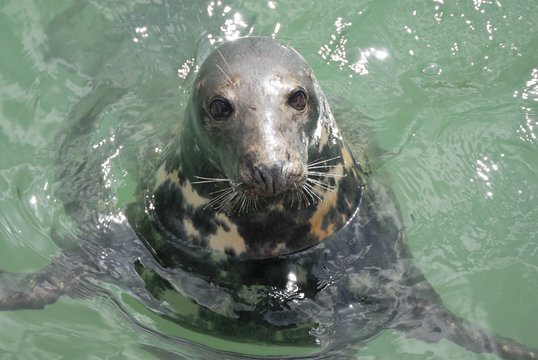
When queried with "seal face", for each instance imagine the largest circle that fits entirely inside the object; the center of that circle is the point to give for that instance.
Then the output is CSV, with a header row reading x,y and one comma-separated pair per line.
x,y
260,168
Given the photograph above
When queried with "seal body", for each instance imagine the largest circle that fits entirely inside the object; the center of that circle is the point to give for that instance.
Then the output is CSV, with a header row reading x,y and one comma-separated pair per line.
x,y
260,168
290,236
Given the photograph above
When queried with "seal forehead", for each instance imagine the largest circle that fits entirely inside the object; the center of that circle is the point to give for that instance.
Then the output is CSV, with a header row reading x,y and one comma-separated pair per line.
x,y
258,58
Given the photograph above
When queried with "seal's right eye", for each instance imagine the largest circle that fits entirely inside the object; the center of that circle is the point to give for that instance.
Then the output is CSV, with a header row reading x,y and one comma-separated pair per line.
x,y
297,100
220,109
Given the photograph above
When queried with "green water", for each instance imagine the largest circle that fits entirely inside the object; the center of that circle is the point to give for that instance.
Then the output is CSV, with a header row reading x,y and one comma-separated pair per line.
x,y
450,88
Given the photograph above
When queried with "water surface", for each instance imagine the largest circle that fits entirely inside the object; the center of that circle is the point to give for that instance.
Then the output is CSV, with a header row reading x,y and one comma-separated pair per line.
x,y
449,88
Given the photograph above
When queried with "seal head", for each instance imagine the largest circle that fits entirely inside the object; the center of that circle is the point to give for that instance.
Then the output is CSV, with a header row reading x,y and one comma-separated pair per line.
x,y
259,169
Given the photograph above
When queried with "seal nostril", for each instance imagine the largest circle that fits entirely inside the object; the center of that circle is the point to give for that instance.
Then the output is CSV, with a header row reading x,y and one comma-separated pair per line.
x,y
271,178
263,176
277,177
261,172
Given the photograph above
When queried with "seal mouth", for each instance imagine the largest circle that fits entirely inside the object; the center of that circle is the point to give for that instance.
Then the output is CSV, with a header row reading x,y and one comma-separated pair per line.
x,y
270,195
272,187
240,199
298,191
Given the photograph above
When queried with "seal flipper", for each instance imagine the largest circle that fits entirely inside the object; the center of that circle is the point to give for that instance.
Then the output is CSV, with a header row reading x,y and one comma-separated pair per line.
x,y
44,287
30,291
431,322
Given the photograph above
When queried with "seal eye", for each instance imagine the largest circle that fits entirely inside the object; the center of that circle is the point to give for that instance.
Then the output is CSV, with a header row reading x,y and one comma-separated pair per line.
x,y
297,100
220,109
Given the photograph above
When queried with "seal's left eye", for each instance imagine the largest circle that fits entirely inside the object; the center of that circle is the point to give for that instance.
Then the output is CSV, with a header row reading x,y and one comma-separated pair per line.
x,y
220,109
297,100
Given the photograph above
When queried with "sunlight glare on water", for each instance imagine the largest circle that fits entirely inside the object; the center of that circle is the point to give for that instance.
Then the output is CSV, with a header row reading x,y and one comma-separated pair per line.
x,y
450,90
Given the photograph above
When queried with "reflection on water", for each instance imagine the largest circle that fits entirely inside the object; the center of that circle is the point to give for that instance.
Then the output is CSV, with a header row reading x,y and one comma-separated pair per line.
x,y
449,88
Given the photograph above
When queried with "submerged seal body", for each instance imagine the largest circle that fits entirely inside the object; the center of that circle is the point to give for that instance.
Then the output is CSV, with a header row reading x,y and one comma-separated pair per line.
x,y
261,226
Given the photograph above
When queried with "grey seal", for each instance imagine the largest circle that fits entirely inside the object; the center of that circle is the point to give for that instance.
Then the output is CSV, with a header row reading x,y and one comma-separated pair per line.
x,y
261,224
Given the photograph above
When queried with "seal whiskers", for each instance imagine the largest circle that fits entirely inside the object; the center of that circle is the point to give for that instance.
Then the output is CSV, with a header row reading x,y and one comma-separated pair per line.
x,y
309,189
323,174
222,201
321,164
205,180
221,198
321,161
228,198
225,62
228,77
315,169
